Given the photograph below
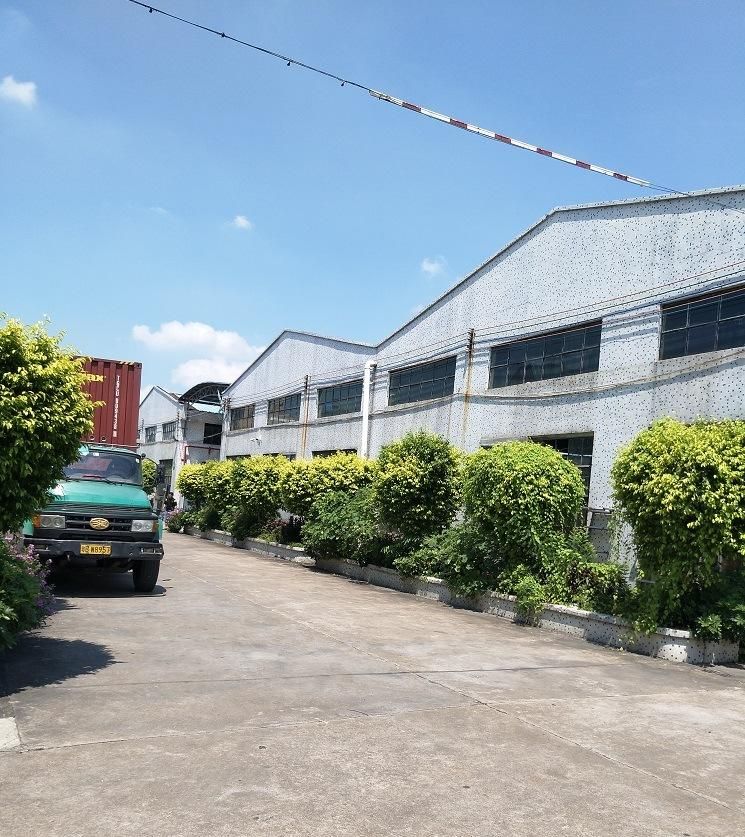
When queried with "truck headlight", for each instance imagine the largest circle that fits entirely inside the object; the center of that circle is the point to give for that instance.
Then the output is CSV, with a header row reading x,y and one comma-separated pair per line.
x,y
49,521
144,525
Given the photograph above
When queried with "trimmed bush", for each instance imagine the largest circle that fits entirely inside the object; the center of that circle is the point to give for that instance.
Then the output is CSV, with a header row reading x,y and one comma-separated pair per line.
x,y
417,488
191,484
342,525
308,479
520,495
682,490
148,476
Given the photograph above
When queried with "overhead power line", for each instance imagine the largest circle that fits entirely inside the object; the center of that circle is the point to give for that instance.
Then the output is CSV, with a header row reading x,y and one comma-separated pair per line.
x,y
432,114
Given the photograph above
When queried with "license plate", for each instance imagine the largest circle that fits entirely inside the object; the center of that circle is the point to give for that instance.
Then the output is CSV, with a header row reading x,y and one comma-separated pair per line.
x,y
95,549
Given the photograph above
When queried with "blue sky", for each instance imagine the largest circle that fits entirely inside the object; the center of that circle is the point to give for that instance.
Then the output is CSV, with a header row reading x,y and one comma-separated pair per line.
x,y
129,146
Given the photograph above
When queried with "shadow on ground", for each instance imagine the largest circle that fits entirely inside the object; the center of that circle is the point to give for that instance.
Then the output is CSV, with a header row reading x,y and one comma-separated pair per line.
x,y
95,584
43,661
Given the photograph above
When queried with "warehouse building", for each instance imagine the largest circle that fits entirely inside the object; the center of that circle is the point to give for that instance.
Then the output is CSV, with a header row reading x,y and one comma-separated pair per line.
x,y
579,333
178,429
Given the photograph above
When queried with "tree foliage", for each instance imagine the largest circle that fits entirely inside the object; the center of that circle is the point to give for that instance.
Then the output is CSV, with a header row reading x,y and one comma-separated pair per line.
x,y
681,487
44,413
148,475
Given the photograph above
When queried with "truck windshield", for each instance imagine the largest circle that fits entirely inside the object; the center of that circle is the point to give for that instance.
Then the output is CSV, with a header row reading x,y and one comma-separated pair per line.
x,y
107,466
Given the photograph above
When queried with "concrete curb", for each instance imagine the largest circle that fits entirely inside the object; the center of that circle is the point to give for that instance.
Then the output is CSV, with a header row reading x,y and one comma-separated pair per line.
x,y
600,628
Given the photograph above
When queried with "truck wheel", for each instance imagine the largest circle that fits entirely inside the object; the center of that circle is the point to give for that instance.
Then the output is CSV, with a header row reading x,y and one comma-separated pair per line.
x,y
144,575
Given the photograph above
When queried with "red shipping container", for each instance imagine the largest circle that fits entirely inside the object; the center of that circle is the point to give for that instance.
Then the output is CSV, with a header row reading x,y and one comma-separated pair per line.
x,y
117,384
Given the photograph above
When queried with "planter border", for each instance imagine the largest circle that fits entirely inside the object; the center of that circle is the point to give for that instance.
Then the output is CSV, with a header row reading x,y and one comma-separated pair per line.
x,y
600,628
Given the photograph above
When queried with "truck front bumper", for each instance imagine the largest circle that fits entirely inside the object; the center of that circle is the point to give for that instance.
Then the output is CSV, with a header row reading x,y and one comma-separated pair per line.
x,y
120,554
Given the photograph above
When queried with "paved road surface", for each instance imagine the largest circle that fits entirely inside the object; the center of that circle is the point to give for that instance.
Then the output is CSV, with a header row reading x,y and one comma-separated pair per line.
x,y
252,696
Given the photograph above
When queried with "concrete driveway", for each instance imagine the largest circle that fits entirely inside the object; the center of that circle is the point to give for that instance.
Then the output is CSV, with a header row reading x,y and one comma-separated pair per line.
x,y
253,696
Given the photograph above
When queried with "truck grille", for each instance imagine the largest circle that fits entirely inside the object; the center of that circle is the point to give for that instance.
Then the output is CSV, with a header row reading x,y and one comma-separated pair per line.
x,y
79,526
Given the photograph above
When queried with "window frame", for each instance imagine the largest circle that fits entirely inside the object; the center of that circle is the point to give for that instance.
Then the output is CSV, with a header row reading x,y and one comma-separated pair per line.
x,y
277,410
151,434
210,440
354,399
421,384
527,356
169,434
585,469
699,302
248,416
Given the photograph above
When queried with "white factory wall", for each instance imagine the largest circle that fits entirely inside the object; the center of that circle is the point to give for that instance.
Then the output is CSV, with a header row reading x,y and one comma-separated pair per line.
x,y
579,262
616,262
281,371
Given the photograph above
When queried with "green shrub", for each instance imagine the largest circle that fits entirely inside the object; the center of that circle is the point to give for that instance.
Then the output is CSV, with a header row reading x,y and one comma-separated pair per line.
x,y
254,495
342,525
529,592
25,596
682,490
307,479
457,557
148,475
417,487
520,495
573,576
176,522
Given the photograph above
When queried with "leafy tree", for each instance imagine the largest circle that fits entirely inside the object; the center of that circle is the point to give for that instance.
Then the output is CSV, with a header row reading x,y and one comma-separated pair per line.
x,y
417,487
44,413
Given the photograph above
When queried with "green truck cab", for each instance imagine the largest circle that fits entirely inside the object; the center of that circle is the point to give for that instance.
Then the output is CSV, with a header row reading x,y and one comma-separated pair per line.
x,y
99,516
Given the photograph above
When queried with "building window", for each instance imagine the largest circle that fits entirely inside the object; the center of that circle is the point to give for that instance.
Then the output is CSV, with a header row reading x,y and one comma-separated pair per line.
x,y
319,454
421,382
335,401
242,418
284,410
577,449
150,434
704,324
212,434
549,356
169,431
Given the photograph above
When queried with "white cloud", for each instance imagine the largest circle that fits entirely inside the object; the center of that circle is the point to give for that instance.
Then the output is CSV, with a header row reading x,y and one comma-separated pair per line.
x,y
222,355
22,92
433,266
177,336
221,369
159,210
240,222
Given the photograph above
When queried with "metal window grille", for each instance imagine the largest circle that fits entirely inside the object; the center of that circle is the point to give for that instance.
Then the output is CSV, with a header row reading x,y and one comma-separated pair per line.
x,y
150,434
168,429
242,418
284,410
341,399
703,324
554,355
422,382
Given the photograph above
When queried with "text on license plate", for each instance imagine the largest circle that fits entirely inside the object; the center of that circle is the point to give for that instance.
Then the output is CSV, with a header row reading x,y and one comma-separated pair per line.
x,y
95,549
